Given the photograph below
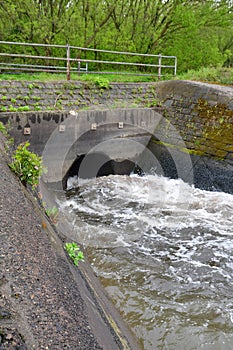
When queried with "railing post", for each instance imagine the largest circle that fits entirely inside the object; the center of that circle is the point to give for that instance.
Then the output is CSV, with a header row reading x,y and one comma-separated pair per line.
x,y
79,67
159,66
67,62
175,68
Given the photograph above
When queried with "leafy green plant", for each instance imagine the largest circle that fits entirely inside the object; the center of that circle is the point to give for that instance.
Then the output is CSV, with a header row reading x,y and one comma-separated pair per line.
x,y
52,213
101,82
26,165
221,120
12,109
36,98
3,129
8,143
23,108
74,252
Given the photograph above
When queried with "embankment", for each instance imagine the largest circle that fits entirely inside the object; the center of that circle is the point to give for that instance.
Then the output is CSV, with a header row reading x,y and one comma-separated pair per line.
x,y
45,301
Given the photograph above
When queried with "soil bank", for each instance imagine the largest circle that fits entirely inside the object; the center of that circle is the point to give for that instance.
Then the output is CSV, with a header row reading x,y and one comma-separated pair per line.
x,y
45,301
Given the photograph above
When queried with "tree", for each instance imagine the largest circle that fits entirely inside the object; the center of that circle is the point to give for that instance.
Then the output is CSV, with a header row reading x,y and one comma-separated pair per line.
x,y
199,32
196,33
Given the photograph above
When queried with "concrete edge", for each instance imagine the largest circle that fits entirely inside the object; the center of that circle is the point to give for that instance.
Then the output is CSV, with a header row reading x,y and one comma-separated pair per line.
x,y
101,312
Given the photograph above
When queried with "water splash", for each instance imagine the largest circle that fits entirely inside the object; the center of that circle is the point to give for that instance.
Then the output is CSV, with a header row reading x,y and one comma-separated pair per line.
x,y
163,250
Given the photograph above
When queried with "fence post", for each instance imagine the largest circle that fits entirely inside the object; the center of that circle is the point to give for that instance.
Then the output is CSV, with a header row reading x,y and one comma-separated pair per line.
x,y
159,66
175,68
67,62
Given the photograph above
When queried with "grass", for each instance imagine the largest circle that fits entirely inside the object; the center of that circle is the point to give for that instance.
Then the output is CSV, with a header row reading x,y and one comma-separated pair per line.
x,y
75,77
219,75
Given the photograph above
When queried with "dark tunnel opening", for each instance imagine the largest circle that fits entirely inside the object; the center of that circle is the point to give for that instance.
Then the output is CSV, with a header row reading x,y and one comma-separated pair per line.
x,y
99,164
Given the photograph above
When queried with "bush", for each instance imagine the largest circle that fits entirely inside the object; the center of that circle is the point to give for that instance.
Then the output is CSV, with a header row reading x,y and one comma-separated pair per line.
x,y
26,165
101,82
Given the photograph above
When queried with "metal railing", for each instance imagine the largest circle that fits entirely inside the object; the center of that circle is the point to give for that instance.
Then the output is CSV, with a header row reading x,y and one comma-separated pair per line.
x,y
74,59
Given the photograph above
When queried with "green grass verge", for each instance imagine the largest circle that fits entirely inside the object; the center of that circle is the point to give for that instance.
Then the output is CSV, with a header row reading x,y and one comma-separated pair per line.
x,y
213,75
74,76
218,75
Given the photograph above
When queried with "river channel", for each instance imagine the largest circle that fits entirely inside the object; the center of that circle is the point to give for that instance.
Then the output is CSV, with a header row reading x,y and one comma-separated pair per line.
x,y
164,252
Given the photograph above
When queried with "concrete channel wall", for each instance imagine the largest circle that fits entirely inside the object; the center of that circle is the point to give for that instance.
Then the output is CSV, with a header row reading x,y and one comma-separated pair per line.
x,y
192,118
202,113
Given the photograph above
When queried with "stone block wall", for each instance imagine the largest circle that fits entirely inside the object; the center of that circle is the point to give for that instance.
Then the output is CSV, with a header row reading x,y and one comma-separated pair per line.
x,y
23,96
202,115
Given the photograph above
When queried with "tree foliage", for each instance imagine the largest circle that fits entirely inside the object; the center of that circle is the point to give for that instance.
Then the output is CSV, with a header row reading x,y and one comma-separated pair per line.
x,y
198,32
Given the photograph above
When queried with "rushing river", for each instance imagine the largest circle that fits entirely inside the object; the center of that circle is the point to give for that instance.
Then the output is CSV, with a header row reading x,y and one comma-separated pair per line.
x,y
164,252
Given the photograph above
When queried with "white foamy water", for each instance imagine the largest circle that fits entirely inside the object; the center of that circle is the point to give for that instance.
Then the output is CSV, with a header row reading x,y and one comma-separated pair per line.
x,y
164,252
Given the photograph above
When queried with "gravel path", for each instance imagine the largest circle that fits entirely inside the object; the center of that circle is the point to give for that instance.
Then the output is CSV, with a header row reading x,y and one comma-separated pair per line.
x,y
41,305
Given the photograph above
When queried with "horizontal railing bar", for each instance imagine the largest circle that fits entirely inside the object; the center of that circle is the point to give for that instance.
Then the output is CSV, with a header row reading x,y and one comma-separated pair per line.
x,y
31,44
88,61
120,63
36,66
29,65
29,56
119,52
123,73
75,71
85,49
36,69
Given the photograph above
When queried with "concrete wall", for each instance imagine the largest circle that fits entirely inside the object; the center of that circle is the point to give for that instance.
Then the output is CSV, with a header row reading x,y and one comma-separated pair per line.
x,y
192,118
119,133
203,115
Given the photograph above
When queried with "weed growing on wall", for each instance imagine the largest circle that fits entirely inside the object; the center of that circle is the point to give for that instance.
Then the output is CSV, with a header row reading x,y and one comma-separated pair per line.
x,y
3,129
26,165
52,213
101,82
74,252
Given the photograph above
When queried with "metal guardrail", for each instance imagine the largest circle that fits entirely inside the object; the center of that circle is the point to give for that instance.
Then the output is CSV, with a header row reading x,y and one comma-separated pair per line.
x,y
72,61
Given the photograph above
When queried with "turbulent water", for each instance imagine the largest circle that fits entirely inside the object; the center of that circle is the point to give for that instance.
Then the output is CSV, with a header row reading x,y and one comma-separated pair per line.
x,y
164,252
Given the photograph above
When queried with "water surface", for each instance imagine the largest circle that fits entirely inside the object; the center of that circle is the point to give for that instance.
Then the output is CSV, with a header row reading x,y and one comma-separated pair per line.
x,y
164,252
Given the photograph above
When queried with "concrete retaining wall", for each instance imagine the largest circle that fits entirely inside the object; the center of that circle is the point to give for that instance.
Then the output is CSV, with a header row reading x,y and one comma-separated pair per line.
x,y
202,114
195,118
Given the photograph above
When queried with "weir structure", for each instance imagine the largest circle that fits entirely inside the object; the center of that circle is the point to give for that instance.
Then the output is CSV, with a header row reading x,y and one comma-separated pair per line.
x,y
185,131
186,127
94,143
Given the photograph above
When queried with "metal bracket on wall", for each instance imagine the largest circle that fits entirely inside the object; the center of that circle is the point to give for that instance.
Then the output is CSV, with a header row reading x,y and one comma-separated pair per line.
x,y
93,126
27,131
62,128
143,124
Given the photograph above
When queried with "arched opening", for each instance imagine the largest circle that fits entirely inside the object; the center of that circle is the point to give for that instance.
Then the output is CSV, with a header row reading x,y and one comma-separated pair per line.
x,y
99,164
